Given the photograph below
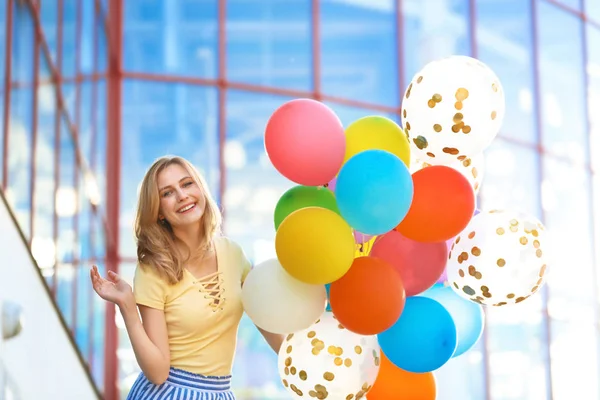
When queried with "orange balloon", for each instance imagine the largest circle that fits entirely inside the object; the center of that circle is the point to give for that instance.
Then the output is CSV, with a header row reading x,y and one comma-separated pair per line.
x,y
443,204
369,298
393,383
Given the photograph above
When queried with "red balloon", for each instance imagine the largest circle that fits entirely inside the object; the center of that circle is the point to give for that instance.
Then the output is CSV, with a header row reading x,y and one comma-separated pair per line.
x,y
305,141
369,298
443,204
420,264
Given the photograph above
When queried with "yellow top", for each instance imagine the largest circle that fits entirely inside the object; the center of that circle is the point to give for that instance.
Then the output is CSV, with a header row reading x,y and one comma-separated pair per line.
x,y
202,315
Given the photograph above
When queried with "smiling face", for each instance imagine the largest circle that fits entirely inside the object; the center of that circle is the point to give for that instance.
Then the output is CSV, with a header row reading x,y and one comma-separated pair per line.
x,y
182,199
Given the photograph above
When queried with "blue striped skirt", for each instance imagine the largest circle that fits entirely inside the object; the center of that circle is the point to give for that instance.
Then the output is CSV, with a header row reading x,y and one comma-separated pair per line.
x,y
183,385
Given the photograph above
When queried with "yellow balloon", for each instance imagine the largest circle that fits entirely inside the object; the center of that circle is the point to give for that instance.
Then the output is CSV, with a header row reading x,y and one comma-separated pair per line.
x,y
315,245
377,133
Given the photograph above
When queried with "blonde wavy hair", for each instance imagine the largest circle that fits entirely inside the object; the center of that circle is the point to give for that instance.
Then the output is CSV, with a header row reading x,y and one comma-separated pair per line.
x,y
155,239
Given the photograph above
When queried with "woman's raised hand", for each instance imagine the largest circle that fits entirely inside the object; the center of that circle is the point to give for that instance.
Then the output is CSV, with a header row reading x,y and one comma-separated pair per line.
x,y
113,289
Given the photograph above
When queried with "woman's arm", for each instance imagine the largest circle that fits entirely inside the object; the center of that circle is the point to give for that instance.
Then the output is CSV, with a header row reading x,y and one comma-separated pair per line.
x,y
273,339
149,339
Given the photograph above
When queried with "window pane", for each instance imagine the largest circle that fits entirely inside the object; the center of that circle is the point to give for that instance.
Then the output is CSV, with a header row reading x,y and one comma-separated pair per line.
x,y
64,292
592,9
66,198
84,129
69,37
567,210
596,211
253,189
463,377
510,178
572,4
349,114
172,37
22,51
98,339
593,73
432,30
18,191
99,239
504,43
84,314
165,119
86,40
575,360
69,93
98,159
517,351
48,17
2,69
84,221
101,45
43,244
359,51
561,82
269,42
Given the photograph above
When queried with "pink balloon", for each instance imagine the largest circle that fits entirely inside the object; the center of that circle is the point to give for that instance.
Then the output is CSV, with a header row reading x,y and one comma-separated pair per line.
x,y
420,264
305,141
361,238
331,184
443,278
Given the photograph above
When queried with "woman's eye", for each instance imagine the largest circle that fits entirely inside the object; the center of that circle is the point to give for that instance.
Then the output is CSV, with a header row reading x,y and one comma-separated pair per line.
x,y
167,193
188,184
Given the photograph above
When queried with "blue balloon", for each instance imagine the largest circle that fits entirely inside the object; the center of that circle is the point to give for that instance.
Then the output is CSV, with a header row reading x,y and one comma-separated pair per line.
x,y
374,191
327,288
468,316
423,339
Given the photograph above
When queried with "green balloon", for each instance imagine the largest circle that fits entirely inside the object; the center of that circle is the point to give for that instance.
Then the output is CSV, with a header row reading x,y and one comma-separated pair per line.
x,y
304,196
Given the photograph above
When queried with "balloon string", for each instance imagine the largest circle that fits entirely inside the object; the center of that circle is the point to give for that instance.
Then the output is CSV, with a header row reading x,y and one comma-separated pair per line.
x,y
371,243
365,248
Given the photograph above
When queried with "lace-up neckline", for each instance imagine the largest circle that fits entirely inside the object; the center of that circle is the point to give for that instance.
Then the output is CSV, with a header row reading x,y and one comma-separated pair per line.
x,y
212,287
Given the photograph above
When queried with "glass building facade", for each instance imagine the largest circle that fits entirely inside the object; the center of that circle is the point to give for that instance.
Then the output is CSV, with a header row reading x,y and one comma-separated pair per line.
x,y
93,91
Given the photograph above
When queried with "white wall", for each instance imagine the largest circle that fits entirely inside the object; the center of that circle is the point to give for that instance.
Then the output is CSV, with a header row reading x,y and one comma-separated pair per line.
x,y
41,360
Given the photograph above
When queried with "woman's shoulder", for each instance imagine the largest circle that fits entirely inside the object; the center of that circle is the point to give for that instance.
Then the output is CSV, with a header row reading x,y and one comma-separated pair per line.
x,y
227,244
146,273
231,248
234,254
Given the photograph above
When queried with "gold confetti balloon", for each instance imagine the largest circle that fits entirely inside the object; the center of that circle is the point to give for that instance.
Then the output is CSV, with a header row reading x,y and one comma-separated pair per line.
x,y
499,258
452,110
470,168
327,361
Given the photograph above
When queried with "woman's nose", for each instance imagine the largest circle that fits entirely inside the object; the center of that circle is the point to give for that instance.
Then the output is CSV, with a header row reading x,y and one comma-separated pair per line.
x,y
181,195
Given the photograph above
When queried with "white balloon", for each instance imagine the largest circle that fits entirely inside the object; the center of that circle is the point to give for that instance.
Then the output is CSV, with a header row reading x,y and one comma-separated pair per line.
x,y
452,110
470,168
279,303
328,361
499,258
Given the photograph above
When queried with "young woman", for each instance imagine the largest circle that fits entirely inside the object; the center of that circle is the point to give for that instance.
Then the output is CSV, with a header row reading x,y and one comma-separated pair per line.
x,y
187,287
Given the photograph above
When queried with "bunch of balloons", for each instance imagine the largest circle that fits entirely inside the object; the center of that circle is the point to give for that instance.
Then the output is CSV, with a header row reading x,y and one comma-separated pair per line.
x,y
383,261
